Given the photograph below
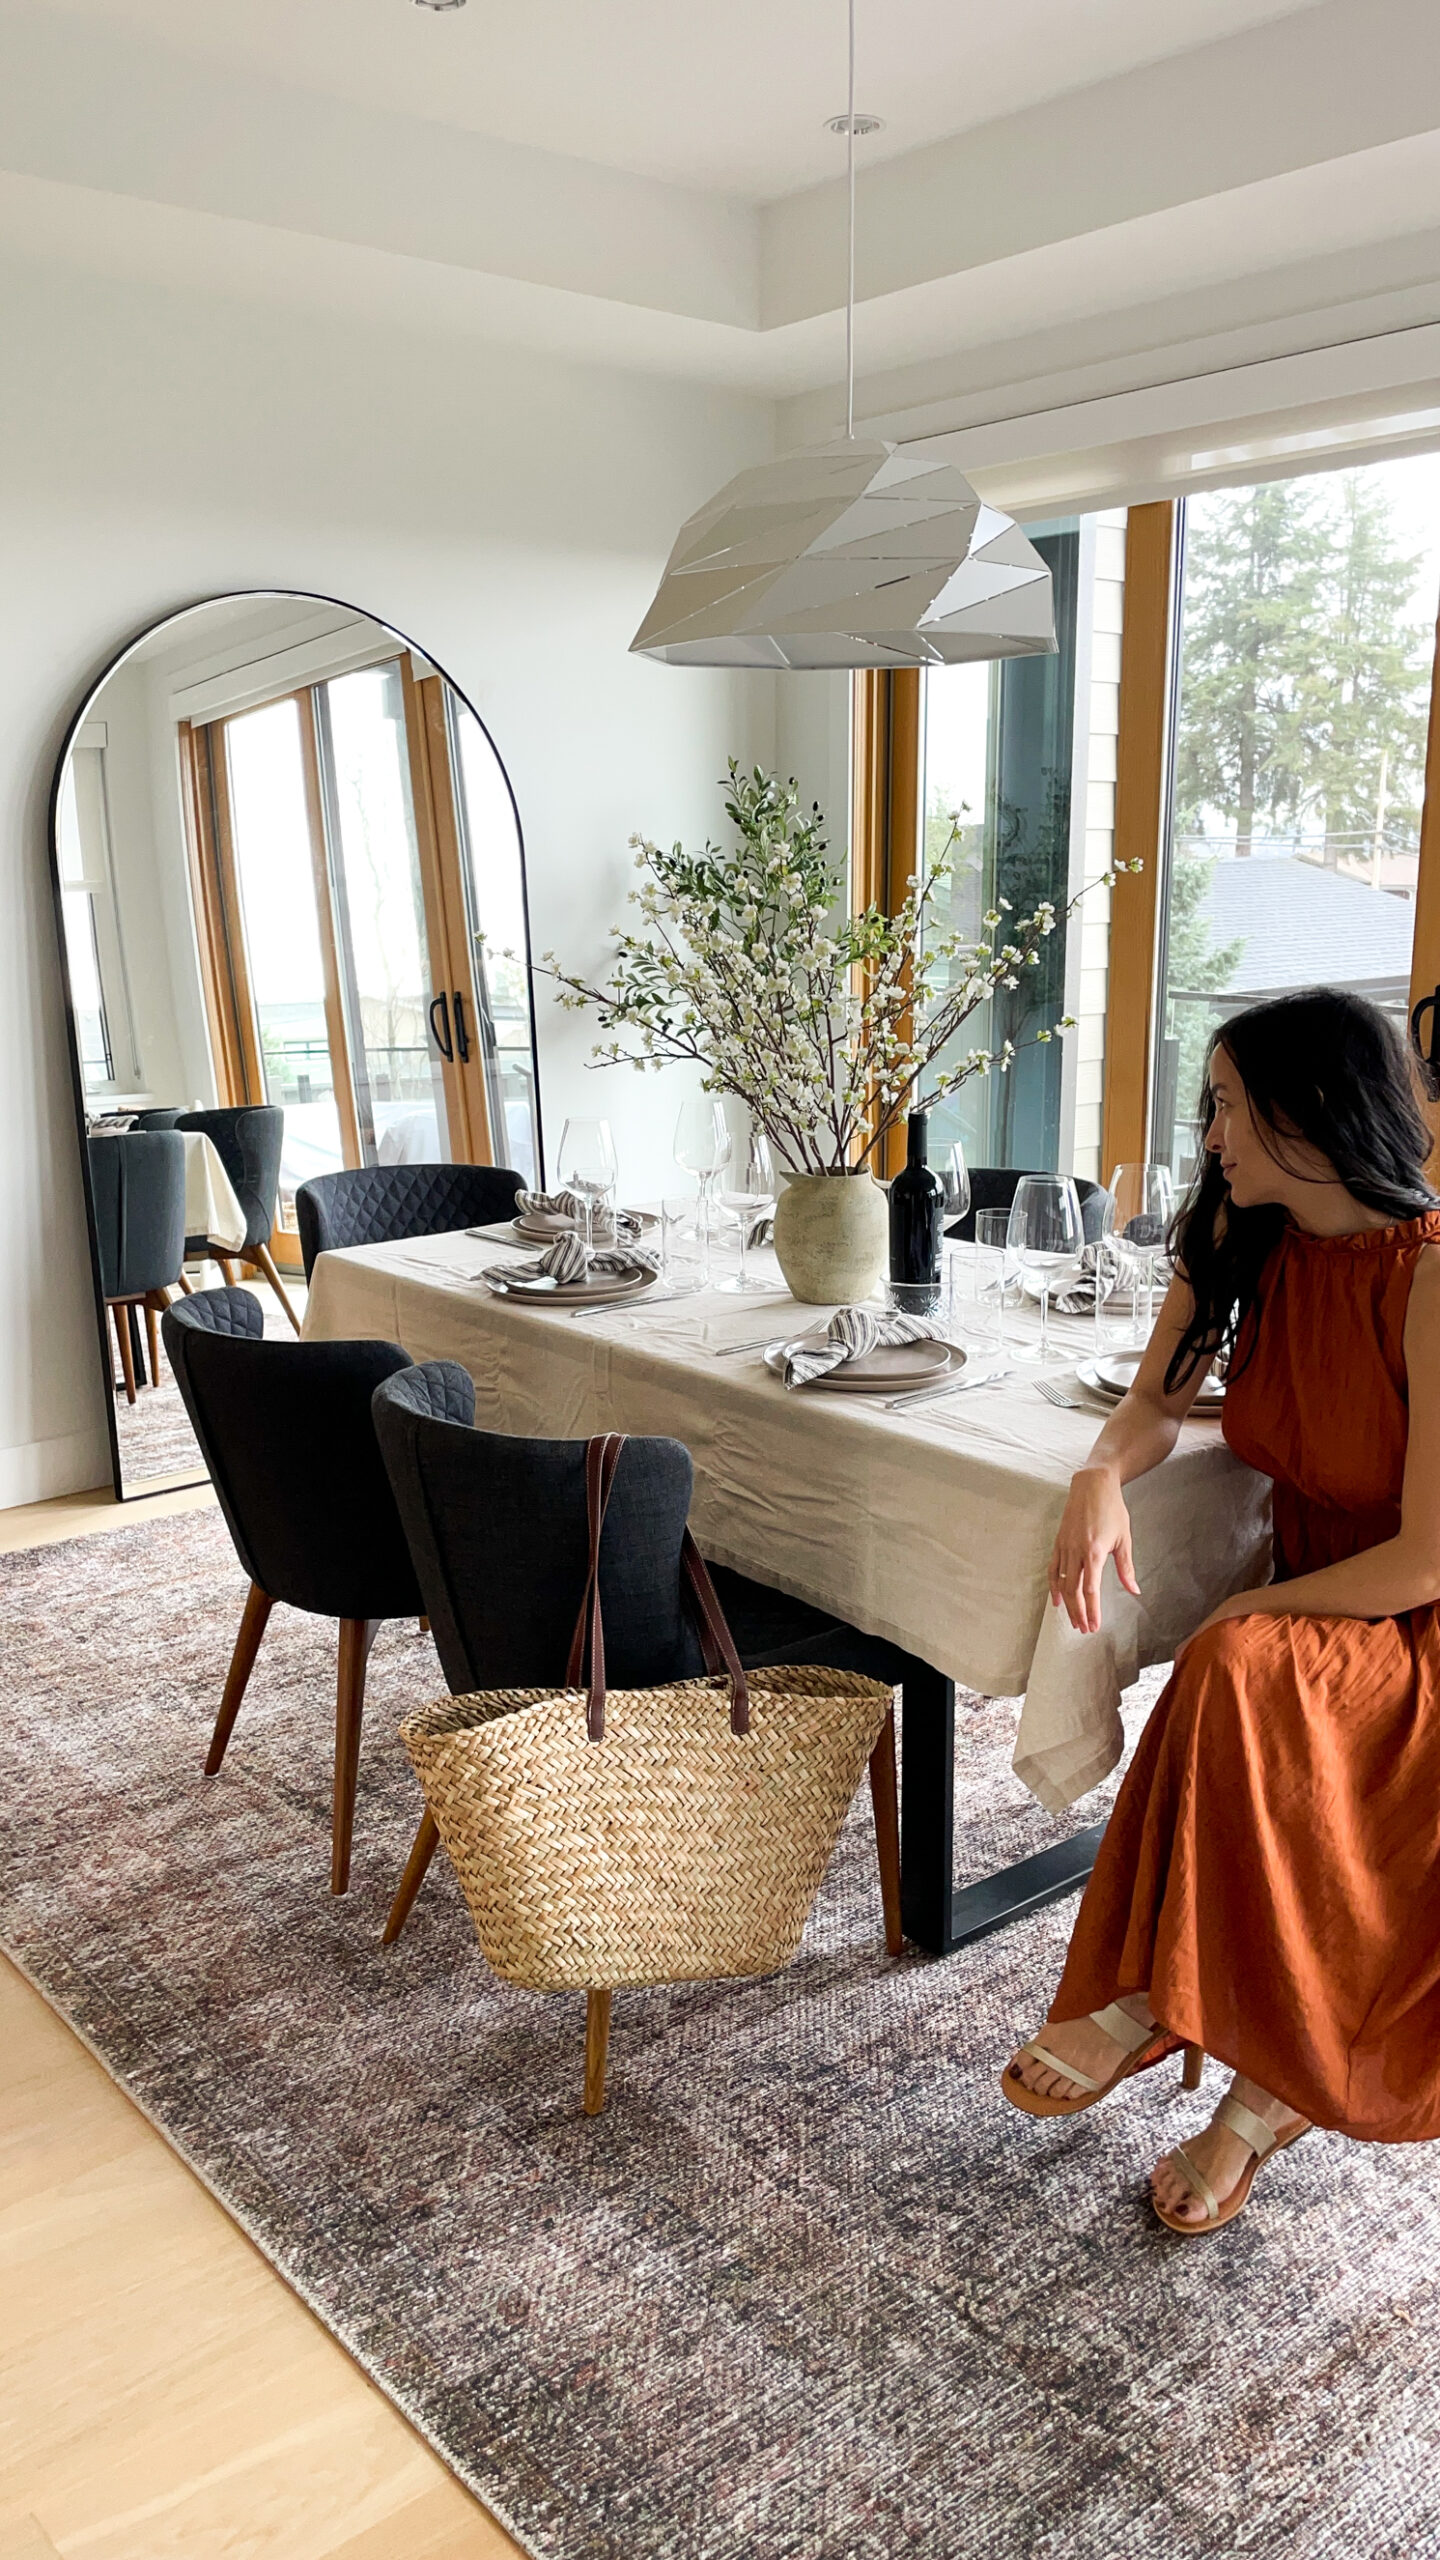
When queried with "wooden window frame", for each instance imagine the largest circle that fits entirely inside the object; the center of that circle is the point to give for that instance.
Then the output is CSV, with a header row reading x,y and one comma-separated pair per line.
x,y
887,713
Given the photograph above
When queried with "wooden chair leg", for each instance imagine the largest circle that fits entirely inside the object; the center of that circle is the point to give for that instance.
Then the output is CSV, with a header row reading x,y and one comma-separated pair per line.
x,y
885,1800
597,2047
1194,2066
355,1640
230,1269
186,1287
262,1255
258,1606
127,1354
422,1850
424,1626
153,1334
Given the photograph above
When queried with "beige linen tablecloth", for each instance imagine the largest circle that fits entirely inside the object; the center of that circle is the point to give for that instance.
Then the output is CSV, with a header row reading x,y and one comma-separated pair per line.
x,y
211,1208
931,1526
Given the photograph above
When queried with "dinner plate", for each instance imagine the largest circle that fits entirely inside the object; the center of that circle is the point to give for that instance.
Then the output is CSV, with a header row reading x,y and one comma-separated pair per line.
x,y
595,1290
886,1369
1113,1375
544,1229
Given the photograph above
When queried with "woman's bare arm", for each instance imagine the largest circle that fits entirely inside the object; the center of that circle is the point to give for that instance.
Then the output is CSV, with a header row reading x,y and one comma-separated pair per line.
x,y
1140,1433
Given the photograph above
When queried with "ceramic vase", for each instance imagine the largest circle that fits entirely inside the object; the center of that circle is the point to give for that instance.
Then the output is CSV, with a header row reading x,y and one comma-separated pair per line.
x,y
831,1237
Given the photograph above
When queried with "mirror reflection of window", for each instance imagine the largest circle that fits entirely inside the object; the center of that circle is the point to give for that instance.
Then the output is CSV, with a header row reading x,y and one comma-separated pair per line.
x,y
98,990
494,883
380,916
270,821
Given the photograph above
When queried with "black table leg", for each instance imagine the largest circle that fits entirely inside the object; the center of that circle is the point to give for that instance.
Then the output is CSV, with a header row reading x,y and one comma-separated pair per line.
x,y
935,1916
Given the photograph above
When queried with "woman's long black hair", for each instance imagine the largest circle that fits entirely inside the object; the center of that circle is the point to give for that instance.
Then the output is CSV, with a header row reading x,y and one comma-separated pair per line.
x,y
1330,1069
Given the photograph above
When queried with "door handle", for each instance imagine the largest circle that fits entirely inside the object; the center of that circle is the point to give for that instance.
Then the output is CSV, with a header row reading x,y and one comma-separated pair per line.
x,y
441,1037
462,1036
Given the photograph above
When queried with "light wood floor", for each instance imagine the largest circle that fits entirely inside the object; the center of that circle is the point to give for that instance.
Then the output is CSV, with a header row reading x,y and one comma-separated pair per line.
x,y
163,2396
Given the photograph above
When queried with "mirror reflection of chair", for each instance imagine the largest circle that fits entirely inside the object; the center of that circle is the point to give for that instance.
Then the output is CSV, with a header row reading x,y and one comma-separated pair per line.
x,y
247,1137
994,1186
499,1536
166,1118
385,1203
286,1432
137,1183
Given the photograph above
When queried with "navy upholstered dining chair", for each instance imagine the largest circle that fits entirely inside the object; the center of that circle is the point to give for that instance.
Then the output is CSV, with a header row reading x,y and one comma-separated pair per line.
x,y
385,1203
248,1138
285,1429
137,1184
993,1186
499,1536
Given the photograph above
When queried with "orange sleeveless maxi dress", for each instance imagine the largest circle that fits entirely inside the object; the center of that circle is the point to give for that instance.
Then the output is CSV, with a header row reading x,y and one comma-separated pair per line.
x,y
1271,1871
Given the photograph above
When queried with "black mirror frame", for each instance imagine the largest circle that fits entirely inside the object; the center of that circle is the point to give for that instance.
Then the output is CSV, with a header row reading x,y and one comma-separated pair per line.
x,y
97,684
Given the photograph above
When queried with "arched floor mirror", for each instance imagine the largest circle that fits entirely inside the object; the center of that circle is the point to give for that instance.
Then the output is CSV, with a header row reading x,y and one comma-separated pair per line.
x,y
290,882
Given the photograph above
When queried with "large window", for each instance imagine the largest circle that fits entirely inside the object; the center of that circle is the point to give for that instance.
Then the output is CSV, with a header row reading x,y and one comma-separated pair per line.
x,y
1306,635
998,780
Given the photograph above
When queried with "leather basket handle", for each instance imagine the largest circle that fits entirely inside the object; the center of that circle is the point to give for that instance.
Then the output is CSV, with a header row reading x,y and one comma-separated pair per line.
x,y
717,1645
602,1457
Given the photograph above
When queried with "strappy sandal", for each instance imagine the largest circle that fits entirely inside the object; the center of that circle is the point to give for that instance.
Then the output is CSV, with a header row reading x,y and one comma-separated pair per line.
x,y
1263,2141
1140,2047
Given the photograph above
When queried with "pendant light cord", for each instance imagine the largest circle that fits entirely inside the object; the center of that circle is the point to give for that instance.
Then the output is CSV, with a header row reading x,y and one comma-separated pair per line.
x,y
850,282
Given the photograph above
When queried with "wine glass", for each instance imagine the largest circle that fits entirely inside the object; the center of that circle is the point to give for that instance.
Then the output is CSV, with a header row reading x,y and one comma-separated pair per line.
x,y
1144,1197
747,1190
588,1167
702,1147
1101,1206
1046,1234
955,1200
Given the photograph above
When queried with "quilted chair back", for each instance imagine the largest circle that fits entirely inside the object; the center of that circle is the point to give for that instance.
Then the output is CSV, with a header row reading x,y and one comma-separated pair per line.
x,y
384,1203
285,1430
498,1529
137,1182
993,1186
247,1137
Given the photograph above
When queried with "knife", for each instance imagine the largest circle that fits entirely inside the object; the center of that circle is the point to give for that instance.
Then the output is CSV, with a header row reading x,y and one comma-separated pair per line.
x,y
956,1387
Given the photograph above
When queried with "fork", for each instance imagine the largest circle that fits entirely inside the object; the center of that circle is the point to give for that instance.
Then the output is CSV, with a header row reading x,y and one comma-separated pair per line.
x,y
1071,1404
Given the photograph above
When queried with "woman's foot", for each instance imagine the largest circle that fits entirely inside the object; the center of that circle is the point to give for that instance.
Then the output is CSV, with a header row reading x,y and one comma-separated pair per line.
x,y
1221,2157
1085,2043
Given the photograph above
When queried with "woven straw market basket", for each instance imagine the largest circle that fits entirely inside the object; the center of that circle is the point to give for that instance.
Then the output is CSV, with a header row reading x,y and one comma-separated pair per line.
x,y
674,1850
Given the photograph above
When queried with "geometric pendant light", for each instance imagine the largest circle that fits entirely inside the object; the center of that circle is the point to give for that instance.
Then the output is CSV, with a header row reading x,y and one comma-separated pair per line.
x,y
853,554
856,554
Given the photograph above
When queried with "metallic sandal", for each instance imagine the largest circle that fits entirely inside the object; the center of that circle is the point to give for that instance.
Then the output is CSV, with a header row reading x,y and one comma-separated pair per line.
x,y
1140,2047
1263,2141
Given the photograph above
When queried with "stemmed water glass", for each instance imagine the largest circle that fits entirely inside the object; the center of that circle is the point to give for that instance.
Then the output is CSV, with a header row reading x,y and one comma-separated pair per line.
x,y
1046,1234
1144,1197
702,1147
588,1167
955,1200
747,1191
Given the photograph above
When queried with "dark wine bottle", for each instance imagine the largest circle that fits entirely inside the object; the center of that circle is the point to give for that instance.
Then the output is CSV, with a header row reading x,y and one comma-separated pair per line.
x,y
917,1214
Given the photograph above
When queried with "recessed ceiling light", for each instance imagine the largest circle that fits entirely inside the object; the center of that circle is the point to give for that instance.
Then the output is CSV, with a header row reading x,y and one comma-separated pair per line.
x,y
860,125
439,4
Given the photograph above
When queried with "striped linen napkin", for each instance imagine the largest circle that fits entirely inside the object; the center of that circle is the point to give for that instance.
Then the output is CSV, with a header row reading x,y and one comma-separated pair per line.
x,y
571,1204
564,1260
851,1332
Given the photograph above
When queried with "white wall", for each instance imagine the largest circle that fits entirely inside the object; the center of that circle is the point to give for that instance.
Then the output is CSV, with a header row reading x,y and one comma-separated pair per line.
x,y
508,511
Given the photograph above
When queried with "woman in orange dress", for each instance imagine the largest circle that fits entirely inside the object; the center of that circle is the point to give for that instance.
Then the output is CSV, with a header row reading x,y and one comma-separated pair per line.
x,y
1268,1886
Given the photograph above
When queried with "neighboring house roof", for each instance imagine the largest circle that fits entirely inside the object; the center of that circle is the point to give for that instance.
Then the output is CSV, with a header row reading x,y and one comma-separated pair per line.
x,y
1303,926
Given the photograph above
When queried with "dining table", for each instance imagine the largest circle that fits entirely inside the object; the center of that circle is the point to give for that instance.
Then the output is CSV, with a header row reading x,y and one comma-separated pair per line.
x,y
926,1521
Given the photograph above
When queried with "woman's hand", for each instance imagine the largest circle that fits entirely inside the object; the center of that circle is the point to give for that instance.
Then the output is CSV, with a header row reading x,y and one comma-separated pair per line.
x,y
1096,1524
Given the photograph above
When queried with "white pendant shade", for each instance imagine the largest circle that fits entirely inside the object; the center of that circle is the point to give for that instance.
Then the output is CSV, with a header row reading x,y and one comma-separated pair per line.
x,y
858,554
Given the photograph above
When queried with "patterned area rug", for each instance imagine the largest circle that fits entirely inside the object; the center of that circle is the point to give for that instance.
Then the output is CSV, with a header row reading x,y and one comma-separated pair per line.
x,y
808,2289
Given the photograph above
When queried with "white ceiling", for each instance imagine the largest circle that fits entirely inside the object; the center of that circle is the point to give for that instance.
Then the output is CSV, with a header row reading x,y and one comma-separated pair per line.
x,y
728,95
1073,201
